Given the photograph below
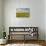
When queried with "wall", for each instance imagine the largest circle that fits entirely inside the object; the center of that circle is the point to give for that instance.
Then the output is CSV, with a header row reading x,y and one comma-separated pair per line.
x,y
45,19
36,15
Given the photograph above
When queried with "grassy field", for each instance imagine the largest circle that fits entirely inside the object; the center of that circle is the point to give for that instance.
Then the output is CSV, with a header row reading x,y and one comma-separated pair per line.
x,y
24,14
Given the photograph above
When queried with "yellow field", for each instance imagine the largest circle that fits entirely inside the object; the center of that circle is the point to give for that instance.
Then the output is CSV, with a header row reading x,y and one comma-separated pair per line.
x,y
24,14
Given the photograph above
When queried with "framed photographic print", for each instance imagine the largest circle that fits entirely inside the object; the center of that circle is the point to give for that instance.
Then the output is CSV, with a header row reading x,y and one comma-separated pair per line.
x,y
22,12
